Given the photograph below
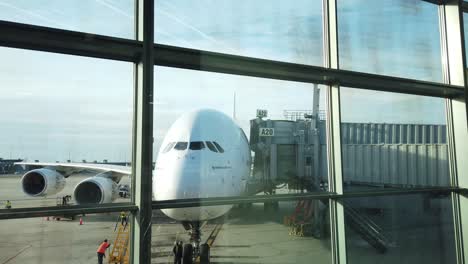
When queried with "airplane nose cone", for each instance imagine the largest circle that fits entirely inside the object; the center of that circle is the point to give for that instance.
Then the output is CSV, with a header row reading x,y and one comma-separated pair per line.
x,y
190,183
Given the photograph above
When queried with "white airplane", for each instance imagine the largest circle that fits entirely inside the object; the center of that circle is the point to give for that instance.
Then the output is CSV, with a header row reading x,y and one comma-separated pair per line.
x,y
204,154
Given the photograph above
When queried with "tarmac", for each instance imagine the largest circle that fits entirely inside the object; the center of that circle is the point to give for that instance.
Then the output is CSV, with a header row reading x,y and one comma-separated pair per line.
x,y
244,235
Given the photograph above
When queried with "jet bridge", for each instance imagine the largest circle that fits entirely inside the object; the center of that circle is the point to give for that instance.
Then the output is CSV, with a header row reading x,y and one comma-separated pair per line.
x,y
287,152
294,152
291,154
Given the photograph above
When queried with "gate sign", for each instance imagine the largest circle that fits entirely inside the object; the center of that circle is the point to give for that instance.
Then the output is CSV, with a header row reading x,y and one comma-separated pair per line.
x,y
267,132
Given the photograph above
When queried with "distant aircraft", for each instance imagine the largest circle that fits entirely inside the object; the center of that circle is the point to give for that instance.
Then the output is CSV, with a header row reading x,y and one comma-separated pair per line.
x,y
204,154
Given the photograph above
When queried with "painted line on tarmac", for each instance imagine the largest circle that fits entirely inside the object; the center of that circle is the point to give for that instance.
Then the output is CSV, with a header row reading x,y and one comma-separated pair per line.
x,y
214,234
17,254
211,238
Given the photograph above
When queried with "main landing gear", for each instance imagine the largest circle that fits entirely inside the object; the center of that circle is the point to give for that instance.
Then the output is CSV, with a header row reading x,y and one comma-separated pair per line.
x,y
194,249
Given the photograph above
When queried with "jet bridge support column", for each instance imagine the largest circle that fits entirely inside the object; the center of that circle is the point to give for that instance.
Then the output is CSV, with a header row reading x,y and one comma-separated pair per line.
x,y
315,137
300,153
273,175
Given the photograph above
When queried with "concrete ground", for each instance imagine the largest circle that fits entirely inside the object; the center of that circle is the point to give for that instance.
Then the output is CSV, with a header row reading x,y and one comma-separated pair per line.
x,y
38,241
246,235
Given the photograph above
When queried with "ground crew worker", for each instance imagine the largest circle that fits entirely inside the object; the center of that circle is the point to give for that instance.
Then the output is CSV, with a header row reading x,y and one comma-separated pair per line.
x,y
123,218
101,252
177,250
8,204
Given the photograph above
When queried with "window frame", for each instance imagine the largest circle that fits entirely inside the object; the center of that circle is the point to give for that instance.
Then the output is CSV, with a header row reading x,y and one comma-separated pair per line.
x,y
145,55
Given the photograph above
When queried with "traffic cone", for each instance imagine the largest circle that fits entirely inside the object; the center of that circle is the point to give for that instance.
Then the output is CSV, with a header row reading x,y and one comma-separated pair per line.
x,y
81,221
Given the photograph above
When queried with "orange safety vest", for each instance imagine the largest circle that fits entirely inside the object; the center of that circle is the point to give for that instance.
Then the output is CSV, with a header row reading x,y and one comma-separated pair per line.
x,y
102,248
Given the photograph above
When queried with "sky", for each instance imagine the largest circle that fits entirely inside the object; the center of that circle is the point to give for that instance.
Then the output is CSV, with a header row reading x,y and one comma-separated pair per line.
x,y
58,107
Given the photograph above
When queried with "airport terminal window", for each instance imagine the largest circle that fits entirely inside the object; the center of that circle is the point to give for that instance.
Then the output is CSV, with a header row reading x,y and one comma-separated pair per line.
x,y
64,238
181,146
112,18
197,145
251,234
283,31
393,140
271,163
296,129
211,146
414,228
396,38
388,140
45,119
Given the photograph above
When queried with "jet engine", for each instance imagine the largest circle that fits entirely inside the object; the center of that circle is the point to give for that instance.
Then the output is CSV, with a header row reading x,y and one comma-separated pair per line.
x,y
96,190
42,182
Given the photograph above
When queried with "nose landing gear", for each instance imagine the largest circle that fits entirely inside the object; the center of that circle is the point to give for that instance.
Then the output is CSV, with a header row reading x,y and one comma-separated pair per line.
x,y
194,250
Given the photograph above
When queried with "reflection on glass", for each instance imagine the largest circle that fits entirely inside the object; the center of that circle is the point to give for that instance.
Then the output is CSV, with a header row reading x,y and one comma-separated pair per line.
x,y
293,232
395,37
104,17
70,120
400,229
263,143
284,152
393,140
277,30
63,239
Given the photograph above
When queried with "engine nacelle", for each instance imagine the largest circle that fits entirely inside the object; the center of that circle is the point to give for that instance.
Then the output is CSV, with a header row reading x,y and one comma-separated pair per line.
x,y
42,182
96,190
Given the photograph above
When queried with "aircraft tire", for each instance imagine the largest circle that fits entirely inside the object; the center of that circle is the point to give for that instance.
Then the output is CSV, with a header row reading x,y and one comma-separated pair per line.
x,y
204,254
187,254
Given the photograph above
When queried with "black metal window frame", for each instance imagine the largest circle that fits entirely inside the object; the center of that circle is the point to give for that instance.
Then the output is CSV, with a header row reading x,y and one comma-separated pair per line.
x,y
38,38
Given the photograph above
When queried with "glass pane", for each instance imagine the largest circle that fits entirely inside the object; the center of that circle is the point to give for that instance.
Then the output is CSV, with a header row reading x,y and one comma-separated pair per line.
x,y
393,140
105,17
297,232
62,239
271,141
281,153
68,111
394,37
276,30
400,229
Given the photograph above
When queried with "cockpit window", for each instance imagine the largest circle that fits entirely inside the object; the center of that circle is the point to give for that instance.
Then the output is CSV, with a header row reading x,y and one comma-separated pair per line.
x,y
168,147
181,146
220,149
211,146
197,145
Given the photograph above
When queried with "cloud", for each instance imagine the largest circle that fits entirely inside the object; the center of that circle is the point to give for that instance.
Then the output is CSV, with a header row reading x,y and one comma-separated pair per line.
x,y
36,15
114,8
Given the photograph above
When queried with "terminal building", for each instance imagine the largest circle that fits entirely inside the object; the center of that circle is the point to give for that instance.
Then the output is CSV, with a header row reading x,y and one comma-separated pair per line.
x,y
7,166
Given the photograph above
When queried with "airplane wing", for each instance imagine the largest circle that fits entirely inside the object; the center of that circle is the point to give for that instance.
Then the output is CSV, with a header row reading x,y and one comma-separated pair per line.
x,y
115,172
